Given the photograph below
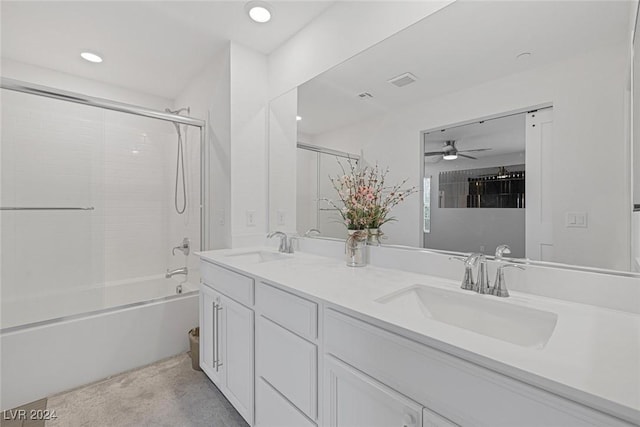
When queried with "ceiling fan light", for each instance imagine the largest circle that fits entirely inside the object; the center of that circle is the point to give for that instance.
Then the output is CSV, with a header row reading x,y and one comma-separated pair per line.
x,y
450,156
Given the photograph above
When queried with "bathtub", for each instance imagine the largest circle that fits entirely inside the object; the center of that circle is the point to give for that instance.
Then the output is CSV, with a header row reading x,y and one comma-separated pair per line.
x,y
60,341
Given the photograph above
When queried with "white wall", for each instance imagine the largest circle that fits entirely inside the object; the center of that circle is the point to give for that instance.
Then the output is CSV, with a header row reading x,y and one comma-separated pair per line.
x,y
587,93
208,96
249,183
282,160
342,31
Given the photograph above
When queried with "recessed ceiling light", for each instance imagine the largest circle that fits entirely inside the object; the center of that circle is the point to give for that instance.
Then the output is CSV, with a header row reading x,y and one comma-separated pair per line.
x,y
450,156
523,55
91,57
298,118
259,11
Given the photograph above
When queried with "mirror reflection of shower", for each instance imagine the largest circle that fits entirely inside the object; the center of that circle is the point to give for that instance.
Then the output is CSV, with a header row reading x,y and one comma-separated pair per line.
x,y
180,174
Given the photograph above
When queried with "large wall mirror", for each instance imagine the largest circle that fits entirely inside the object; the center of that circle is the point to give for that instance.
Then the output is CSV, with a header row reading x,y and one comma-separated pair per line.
x,y
512,118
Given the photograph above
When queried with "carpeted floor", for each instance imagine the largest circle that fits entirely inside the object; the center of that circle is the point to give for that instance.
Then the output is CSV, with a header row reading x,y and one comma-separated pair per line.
x,y
168,393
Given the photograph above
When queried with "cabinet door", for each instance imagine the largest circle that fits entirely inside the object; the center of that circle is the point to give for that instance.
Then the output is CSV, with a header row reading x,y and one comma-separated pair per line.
x,y
353,399
210,332
237,355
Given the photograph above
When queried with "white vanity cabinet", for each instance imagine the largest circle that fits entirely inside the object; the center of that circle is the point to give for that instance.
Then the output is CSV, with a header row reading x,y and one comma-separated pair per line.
x,y
227,337
318,364
454,390
286,359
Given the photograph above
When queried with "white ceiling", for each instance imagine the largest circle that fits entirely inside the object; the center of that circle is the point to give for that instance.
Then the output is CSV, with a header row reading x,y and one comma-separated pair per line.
x,y
154,47
462,45
504,135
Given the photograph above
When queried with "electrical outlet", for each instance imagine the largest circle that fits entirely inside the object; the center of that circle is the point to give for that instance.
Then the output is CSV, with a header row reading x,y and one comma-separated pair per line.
x,y
251,218
281,217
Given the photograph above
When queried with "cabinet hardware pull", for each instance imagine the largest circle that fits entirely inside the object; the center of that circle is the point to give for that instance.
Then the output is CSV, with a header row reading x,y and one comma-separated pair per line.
x,y
215,327
218,362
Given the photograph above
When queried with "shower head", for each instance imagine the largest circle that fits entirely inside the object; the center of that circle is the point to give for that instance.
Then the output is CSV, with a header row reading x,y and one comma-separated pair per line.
x,y
178,111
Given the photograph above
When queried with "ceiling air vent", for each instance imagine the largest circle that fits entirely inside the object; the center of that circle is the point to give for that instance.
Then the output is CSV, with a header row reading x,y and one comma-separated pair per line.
x,y
403,79
365,95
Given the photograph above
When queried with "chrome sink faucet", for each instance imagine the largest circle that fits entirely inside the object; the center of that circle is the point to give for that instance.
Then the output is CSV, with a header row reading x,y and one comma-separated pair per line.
x,y
286,245
482,285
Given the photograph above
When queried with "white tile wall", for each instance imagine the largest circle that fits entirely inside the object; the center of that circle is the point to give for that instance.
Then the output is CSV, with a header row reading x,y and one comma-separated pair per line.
x,y
56,153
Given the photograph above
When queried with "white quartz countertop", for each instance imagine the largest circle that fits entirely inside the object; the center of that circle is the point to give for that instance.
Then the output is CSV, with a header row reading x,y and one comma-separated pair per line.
x,y
593,355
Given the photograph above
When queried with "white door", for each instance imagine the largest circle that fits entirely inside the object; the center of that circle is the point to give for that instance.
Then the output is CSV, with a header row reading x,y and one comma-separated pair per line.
x,y
539,185
210,334
236,355
353,399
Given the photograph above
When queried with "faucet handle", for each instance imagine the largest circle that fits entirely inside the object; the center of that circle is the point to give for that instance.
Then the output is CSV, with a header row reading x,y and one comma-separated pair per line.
x,y
502,250
184,247
311,231
467,281
500,287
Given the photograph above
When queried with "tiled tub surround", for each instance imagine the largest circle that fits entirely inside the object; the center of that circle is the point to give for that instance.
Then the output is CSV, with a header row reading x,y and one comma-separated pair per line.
x,y
56,153
591,357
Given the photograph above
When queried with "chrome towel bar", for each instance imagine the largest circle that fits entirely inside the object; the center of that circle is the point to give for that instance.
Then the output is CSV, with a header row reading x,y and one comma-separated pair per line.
x,y
46,209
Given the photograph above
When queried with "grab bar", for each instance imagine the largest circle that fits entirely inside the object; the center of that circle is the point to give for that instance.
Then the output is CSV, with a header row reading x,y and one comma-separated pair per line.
x,y
46,209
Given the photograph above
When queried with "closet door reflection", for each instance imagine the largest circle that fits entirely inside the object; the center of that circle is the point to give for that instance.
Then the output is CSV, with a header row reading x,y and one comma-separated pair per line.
x,y
315,170
330,222
307,190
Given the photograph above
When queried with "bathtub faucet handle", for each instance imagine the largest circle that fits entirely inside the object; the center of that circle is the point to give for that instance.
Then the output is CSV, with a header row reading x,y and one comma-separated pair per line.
x,y
184,247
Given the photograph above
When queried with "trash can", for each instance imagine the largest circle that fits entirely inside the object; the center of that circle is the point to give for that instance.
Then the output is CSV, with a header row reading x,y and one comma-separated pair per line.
x,y
194,341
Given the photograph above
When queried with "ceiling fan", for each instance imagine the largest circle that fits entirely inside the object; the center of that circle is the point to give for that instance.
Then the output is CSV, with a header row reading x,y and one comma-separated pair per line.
x,y
450,152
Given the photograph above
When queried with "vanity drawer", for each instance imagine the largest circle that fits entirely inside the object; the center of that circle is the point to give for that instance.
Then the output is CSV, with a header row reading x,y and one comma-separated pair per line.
x,y
294,313
289,363
232,284
460,391
273,410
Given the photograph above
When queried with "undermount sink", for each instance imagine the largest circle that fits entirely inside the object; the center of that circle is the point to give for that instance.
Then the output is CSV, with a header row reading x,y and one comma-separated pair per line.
x,y
486,315
258,256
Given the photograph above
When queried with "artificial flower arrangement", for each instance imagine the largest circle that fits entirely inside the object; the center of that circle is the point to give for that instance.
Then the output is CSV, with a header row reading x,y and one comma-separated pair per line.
x,y
367,201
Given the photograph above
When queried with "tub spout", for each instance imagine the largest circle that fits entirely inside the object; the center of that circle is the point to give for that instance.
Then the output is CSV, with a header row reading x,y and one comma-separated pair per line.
x,y
171,273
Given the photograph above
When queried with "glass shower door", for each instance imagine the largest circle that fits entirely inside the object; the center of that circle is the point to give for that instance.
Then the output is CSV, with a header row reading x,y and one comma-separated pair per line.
x,y
52,234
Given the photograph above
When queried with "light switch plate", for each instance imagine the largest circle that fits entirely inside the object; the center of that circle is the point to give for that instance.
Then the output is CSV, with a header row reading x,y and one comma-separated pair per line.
x,y
576,220
281,218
